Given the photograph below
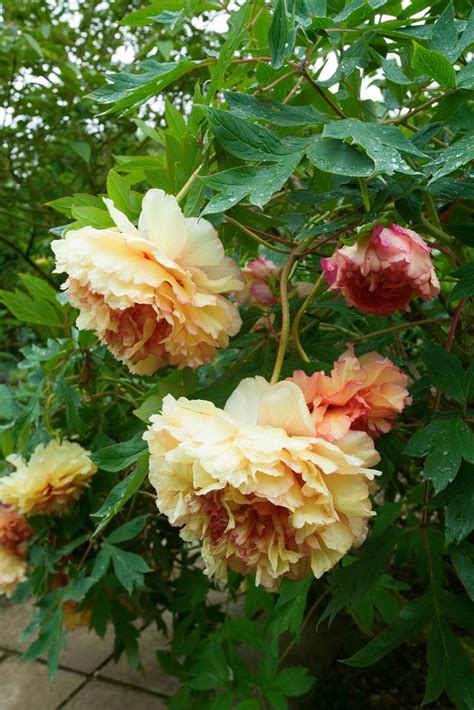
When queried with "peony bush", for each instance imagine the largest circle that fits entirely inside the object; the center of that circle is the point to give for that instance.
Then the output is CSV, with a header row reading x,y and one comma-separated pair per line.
x,y
246,406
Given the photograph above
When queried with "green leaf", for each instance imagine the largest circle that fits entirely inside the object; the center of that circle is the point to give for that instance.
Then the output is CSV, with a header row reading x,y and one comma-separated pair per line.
x,y
72,401
353,581
119,456
434,65
333,156
383,144
462,557
258,184
293,682
465,77
445,34
467,37
121,494
27,310
458,498
39,288
152,405
411,618
288,612
128,531
129,568
448,668
278,34
249,141
393,72
118,189
93,216
125,90
272,111
235,36
147,15
452,158
82,149
446,440
465,286
445,371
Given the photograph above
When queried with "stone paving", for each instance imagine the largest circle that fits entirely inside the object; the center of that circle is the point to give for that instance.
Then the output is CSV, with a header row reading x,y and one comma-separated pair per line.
x,y
88,678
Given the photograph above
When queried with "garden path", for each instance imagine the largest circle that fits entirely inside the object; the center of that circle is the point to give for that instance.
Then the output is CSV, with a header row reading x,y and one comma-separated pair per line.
x,y
87,679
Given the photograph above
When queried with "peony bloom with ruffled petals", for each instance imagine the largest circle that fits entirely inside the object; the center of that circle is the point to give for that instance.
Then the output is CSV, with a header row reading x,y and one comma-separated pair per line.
x,y
253,483
365,393
153,294
50,482
382,273
13,570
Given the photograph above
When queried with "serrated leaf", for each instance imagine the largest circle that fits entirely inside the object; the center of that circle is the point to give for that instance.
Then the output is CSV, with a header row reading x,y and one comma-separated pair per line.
x,y
129,568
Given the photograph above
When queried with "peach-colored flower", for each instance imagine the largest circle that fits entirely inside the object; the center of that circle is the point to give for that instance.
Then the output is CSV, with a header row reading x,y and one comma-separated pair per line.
x,y
256,486
13,570
153,294
260,276
382,273
53,478
364,393
14,530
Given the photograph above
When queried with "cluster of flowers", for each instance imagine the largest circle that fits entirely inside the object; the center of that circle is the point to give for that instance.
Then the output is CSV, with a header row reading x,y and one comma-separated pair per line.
x,y
48,484
278,482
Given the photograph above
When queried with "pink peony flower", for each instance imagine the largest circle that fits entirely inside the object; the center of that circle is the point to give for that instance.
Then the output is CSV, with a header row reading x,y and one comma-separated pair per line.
x,y
153,294
253,482
365,393
382,273
14,535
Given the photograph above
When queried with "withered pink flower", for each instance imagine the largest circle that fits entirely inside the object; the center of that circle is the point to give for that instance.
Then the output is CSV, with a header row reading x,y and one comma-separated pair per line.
x,y
253,482
381,273
153,294
365,393
15,531
260,276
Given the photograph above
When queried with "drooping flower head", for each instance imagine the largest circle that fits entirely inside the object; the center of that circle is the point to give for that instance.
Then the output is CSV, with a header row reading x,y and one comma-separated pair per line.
x,y
153,294
14,530
365,393
14,535
253,482
260,276
382,273
53,478
13,570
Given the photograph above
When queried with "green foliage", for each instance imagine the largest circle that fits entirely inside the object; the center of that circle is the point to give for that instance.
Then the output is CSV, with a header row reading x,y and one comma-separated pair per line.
x,y
304,125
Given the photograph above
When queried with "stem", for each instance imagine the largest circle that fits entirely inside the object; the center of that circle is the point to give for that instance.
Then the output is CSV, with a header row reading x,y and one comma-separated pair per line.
x,y
299,315
365,194
436,405
285,318
254,236
332,104
431,207
394,328
187,186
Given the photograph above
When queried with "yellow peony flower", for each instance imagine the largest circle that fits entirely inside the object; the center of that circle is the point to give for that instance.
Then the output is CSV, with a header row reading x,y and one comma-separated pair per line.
x,y
54,477
153,294
253,482
12,570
